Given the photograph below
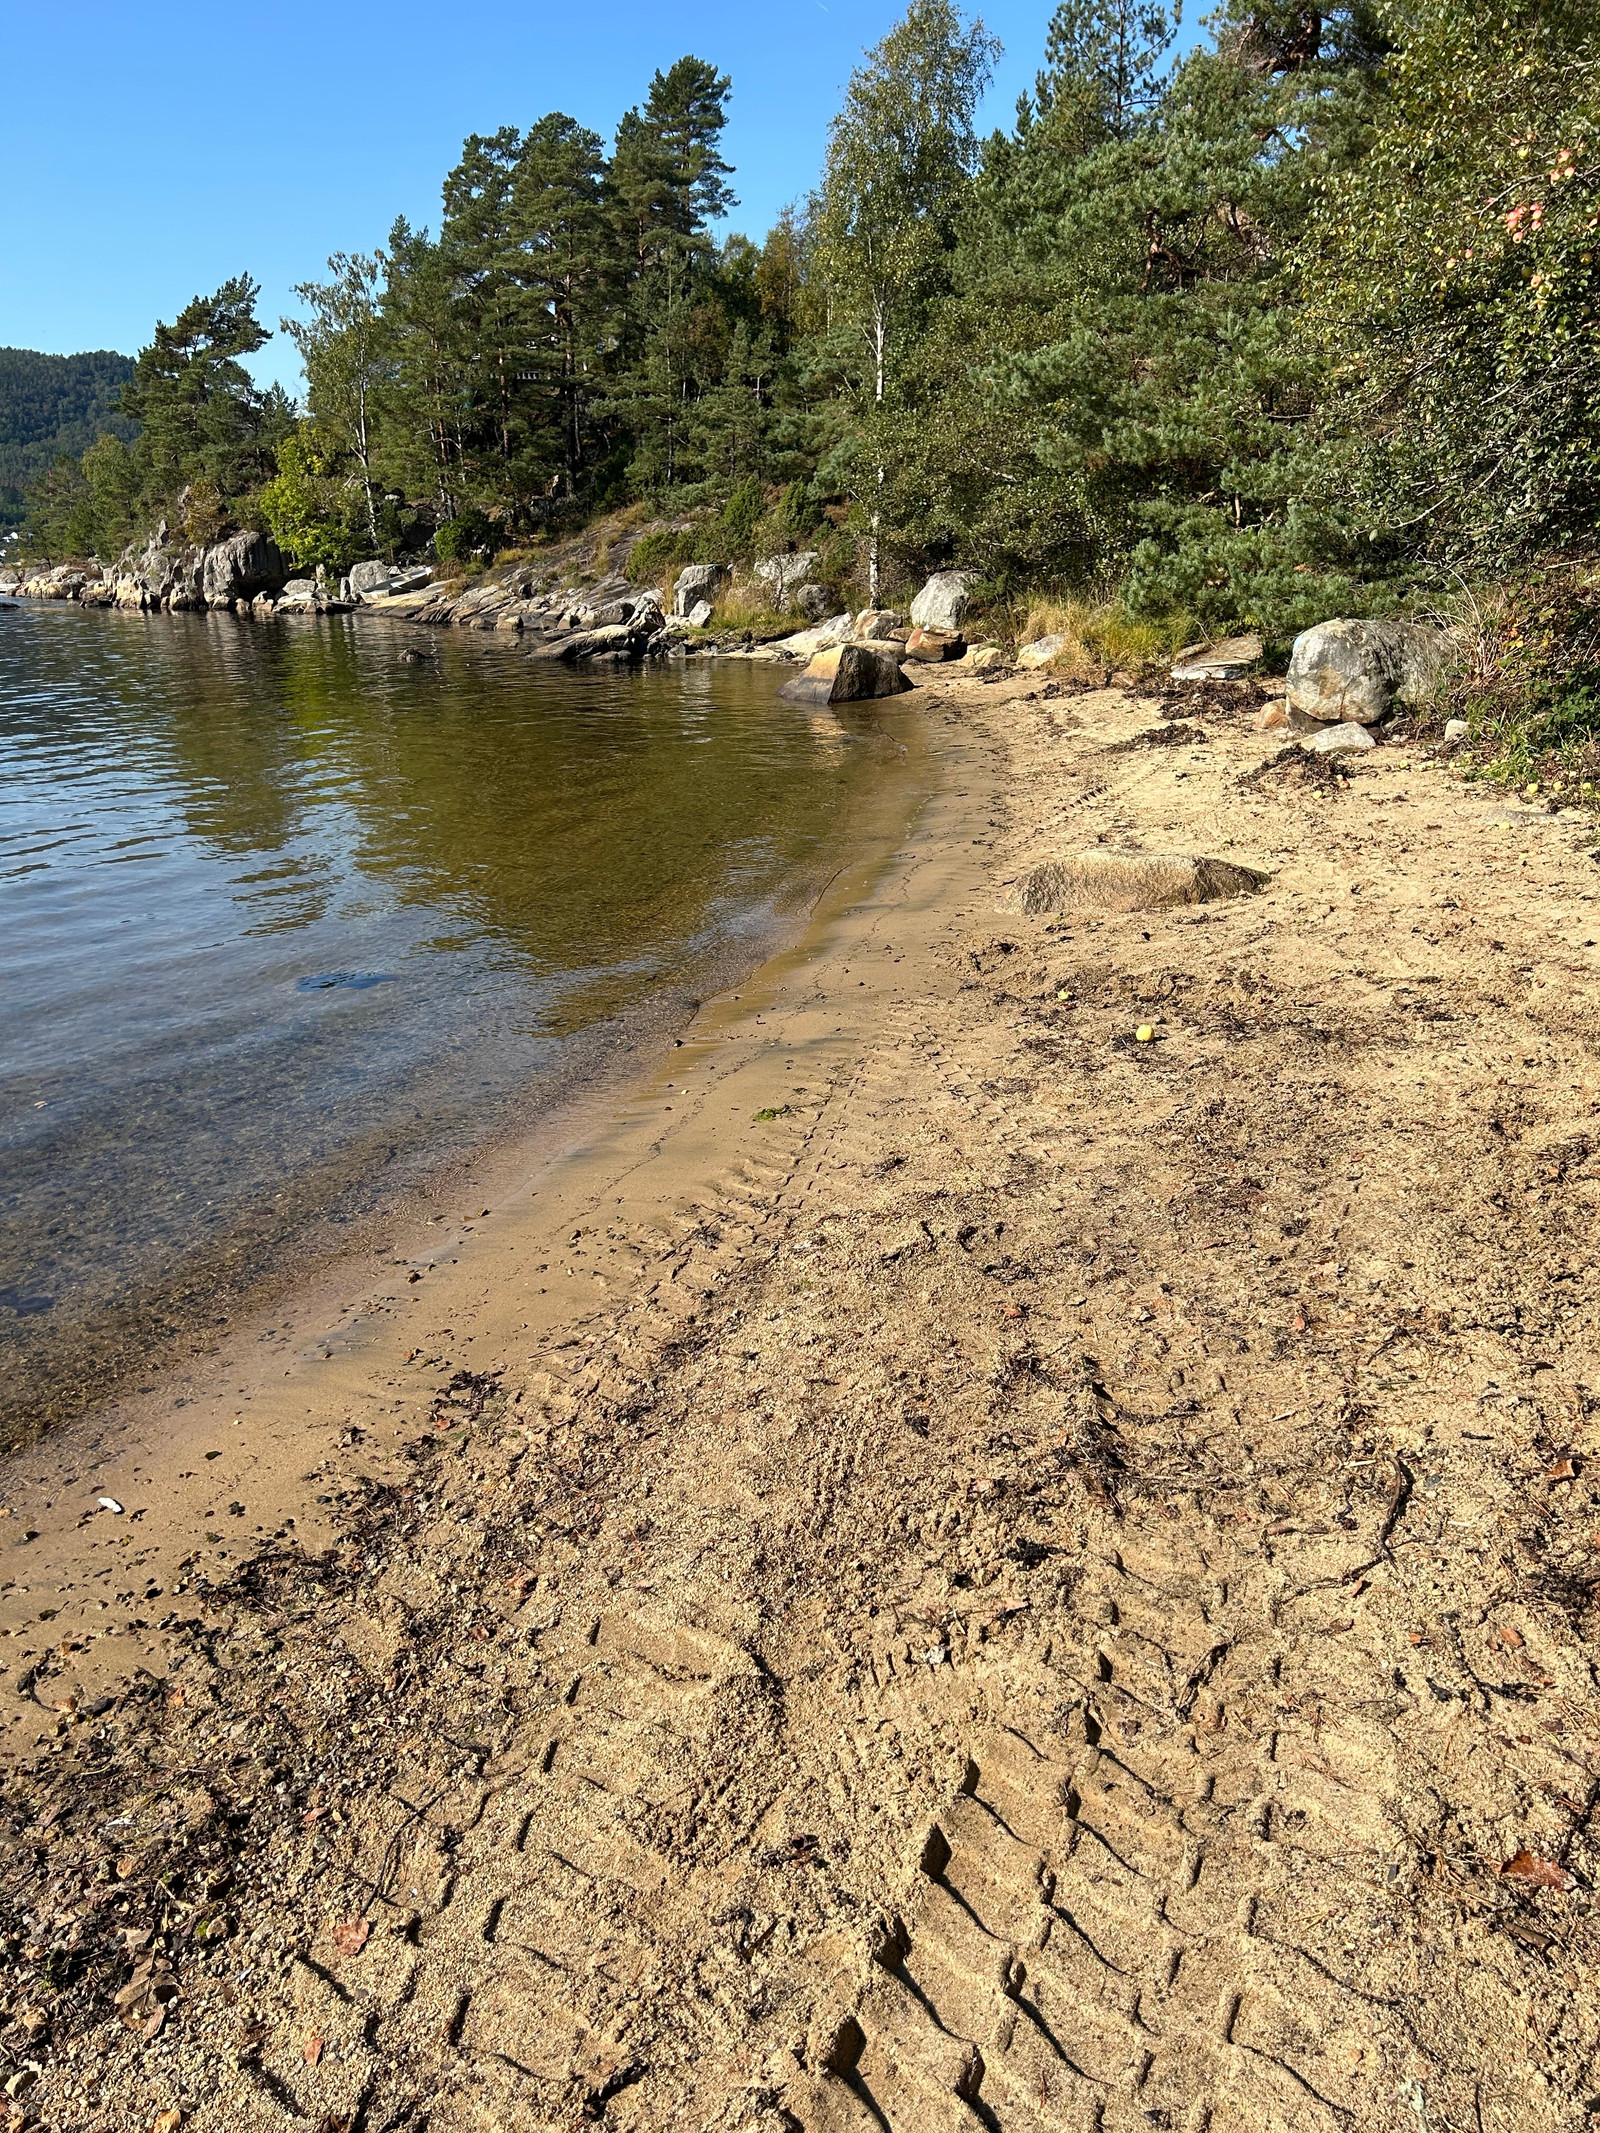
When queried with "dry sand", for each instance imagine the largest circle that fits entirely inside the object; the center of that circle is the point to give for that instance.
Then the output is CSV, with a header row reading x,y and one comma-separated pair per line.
x,y
947,1567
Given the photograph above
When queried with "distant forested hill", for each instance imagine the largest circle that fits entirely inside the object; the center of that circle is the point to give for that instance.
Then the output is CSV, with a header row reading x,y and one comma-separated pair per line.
x,y
50,405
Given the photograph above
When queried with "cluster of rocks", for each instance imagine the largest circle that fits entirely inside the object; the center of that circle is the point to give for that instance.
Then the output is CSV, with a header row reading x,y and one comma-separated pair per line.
x,y
1348,678
245,573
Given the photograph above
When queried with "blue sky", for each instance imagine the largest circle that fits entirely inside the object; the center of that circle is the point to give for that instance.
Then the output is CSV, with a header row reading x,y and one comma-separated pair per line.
x,y
147,157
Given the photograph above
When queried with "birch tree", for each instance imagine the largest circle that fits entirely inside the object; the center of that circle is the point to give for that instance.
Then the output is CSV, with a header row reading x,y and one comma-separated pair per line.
x,y
342,347
900,159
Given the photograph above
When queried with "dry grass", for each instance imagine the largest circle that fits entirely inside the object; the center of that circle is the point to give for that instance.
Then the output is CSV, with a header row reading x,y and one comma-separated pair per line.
x,y
747,605
1100,635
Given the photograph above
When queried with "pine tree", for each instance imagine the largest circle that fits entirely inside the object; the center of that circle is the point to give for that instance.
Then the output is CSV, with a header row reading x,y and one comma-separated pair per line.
x,y
202,418
668,179
566,242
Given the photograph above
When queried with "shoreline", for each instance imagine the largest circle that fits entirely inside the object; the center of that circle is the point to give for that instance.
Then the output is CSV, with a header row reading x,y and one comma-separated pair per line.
x,y
251,1262
1016,1559
128,1444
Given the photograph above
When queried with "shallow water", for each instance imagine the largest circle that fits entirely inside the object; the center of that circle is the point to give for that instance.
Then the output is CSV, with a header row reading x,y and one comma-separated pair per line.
x,y
287,921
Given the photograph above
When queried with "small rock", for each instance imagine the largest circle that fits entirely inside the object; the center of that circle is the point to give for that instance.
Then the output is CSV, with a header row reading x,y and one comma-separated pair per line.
x,y
1273,718
1455,729
1340,740
934,645
1231,659
1041,651
984,658
699,615
371,577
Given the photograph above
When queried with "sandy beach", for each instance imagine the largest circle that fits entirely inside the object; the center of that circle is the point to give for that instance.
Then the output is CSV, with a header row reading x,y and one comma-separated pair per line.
x,y
942,1562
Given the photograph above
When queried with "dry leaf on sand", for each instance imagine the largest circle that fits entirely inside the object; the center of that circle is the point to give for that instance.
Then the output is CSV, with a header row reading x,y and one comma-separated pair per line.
x,y
350,1935
1537,1873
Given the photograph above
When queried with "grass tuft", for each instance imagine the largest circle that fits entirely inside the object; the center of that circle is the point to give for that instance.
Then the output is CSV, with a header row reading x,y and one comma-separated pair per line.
x,y
1100,634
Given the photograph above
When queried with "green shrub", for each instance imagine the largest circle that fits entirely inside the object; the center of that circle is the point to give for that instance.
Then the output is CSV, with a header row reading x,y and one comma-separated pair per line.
x,y
656,558
468,534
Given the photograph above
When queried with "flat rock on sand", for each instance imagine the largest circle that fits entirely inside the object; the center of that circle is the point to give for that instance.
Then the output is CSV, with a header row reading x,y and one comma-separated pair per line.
x,y
1134,881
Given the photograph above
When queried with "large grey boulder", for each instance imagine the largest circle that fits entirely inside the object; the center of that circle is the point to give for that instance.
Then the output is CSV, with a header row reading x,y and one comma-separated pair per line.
x,y
786,574
696,582
611,637
942,603
240,567
1353,672
1134,881
373,577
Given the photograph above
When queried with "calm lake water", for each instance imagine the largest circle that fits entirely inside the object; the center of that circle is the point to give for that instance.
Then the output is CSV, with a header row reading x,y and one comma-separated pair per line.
x,y
287,922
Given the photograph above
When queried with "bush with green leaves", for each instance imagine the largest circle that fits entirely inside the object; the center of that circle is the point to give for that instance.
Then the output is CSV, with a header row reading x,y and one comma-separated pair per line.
x,y
466,538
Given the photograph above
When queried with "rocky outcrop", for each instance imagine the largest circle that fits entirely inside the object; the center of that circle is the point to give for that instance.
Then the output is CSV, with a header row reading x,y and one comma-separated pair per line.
x,y
786,574
696,582
64,581
1354,672
240,567
943,602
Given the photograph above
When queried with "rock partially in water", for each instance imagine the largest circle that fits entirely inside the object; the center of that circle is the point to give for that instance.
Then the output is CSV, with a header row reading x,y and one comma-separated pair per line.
x,y
240,567
849,674
1135,881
